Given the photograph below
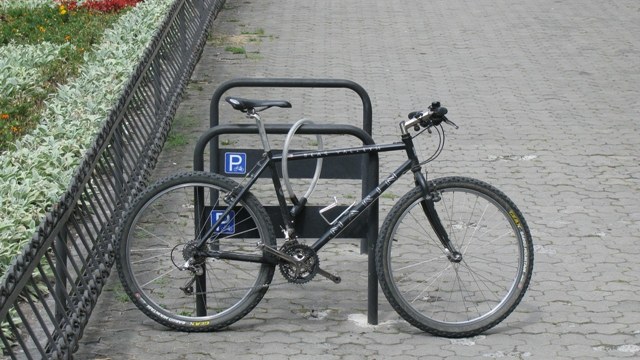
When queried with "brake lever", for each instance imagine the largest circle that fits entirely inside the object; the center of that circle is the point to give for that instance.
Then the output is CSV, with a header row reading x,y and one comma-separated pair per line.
x,y
449,122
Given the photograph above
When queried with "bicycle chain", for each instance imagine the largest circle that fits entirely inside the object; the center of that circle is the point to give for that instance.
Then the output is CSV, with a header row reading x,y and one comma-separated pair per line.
x,y
290,248
255,288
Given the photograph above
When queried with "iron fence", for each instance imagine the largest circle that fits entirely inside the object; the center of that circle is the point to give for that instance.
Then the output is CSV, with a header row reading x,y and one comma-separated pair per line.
x,y
51,288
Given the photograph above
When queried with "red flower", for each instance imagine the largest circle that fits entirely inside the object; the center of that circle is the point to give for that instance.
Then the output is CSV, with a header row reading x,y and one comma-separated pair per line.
x,y
99,5
109,5
68,5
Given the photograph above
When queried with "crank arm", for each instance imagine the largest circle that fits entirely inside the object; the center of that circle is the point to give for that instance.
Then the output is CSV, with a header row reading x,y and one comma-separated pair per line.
x,y
278,253
335,278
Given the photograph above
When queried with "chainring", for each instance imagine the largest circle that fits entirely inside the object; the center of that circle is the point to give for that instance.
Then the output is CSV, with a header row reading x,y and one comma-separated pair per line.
x,y
305,269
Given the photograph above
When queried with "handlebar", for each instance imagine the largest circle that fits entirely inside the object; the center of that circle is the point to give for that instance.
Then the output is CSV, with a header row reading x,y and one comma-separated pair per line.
x,y
434,116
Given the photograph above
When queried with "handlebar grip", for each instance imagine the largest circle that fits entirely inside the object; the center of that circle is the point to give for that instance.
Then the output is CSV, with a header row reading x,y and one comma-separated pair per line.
x,y
414,114
438,116
440,112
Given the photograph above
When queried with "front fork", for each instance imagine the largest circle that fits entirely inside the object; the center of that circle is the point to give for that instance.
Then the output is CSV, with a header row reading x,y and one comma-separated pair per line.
x,y
429,198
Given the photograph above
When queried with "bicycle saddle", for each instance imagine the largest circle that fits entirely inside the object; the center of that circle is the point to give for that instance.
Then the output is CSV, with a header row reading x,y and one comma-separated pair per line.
x,y
246,104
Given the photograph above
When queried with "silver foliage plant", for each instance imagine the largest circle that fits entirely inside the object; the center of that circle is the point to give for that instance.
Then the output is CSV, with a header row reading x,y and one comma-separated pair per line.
x,y
39,169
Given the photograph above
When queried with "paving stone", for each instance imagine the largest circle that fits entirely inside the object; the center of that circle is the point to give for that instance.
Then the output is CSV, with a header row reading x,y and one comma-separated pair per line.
x,y
546,94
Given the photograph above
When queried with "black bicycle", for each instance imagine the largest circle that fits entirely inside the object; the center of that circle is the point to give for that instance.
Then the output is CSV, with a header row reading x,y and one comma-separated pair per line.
x,y
197,251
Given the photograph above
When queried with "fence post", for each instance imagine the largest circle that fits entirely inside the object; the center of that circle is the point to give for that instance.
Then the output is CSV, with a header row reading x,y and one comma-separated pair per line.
x,y
61,285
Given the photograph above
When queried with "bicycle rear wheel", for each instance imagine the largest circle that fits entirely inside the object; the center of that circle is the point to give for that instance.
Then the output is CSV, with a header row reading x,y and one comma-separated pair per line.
x,y
159,230
442,296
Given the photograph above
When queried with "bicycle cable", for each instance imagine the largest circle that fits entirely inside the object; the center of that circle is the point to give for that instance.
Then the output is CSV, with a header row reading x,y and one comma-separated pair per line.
x,y
285,167
440,147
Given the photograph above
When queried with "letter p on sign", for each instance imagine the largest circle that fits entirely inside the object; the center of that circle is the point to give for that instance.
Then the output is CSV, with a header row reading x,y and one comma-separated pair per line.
x,y
235,163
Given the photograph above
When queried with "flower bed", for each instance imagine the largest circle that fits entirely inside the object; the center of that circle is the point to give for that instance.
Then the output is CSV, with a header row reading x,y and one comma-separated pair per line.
x,y
66,29
38,170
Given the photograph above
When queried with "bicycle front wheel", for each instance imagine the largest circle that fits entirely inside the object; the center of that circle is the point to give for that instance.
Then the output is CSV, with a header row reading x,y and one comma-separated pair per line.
x,y
448,297
158,235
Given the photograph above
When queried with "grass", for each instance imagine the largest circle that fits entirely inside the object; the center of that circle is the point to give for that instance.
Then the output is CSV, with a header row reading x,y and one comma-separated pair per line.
x,y
258,32
120,294
175,140
227,142
179,134
236,50
235,43
81,28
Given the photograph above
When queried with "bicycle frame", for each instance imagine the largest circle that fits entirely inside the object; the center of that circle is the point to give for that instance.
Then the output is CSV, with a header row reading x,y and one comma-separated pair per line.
x,y
269,162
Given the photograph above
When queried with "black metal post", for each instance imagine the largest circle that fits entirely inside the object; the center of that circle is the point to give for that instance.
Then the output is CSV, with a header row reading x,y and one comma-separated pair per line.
x,y
61,286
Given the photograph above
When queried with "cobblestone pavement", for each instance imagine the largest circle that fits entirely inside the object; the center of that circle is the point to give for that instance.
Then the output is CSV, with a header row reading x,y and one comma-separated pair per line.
x,y
547,96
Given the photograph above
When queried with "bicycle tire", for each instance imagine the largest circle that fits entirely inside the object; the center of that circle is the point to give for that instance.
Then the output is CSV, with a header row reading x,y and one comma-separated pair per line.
x,y
151,241
448,298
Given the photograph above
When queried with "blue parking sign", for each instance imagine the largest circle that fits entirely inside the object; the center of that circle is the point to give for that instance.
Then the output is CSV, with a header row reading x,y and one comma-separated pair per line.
x,y
235,163
228,224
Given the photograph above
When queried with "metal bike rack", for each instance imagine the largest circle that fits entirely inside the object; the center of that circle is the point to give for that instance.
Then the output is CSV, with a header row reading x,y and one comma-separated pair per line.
x,y
366,228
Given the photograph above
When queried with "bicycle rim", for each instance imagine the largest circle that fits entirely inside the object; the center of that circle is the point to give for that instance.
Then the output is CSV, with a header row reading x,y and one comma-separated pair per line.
x,y
465,298
160,230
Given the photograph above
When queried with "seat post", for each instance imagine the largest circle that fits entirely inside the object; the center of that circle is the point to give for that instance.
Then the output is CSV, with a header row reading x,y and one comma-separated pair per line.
x,y
261,130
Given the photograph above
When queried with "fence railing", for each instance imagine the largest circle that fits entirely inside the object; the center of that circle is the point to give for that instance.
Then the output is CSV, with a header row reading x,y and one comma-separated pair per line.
x,y
51,288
